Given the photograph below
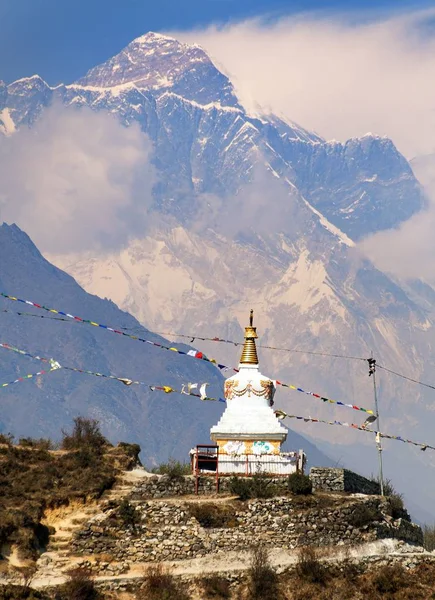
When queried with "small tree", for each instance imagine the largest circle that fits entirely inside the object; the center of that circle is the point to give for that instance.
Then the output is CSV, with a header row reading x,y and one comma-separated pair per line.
x,y
159,584
263,579
429,537
86,434
79,586
300,484
308,567
128,515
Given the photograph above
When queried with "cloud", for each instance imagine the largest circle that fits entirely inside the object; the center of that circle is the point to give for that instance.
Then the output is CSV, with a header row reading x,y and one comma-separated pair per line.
x,y
333,75
409,250
78,180
264,205
343,78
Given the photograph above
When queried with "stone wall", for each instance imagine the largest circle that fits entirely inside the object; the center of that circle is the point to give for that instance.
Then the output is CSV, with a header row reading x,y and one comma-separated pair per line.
x,y
342,480
167,530
164,487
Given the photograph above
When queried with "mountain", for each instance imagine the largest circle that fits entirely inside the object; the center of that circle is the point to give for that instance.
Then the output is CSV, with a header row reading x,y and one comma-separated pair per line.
x,y
161,424
206,143
252,210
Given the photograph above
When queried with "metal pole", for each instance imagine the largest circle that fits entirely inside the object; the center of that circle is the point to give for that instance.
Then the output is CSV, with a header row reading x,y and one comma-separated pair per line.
x,y
378,438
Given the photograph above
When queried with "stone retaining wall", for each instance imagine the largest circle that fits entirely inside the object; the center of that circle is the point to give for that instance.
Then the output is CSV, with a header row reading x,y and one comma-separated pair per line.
x,y
169,531
342,480
164,487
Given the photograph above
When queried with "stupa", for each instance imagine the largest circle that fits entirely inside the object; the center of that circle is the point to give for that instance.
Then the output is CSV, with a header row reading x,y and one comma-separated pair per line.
x,y
249,435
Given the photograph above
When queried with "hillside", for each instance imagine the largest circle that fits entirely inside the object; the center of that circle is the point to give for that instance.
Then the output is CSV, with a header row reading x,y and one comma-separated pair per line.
x,y
162,424
88,518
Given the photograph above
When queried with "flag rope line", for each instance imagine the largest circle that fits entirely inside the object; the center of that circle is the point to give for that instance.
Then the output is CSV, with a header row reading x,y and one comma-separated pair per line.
x,y
192,338
29,376
168,390
283,415
125,380
190,353
428,385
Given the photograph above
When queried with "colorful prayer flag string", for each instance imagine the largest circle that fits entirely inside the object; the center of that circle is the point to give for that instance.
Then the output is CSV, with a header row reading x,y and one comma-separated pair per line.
x,y
29,376
191,353
283,415
185,390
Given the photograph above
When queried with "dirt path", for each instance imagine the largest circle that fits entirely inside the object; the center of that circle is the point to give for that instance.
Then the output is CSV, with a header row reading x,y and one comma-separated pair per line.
x,y
231,562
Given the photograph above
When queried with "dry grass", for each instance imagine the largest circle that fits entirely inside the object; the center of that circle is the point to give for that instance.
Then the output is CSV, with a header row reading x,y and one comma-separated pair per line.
x,y
263,582
309,568
214,515
429,537
215,587
79,586
33,479
159,584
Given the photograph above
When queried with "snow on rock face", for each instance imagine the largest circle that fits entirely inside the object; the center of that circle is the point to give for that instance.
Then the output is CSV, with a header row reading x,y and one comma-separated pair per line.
x,y
27,98
158,62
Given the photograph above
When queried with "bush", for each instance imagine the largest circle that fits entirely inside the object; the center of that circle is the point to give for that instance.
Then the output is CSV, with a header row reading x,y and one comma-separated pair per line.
x,y
300,484
160,584
308,566
363,515
131,450
429,537
240,487
86,435
213,515
398,511
389,579
262,577
128,515
262,486
257,486
79,586
174,469
215,587
6,438
18,592
40,444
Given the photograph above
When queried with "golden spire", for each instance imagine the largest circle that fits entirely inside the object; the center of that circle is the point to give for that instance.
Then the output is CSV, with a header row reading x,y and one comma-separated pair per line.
x,y
249,354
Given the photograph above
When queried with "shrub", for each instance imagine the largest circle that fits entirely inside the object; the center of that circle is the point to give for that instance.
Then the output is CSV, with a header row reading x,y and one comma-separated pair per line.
x,y
215,587
308,566
398,511
18,592
6,438
363,515
79,586
86,434
429,537
213,515
262,577
262,486
40,444
131,450
300,484
160,584
240,487
128,515
174,469
389,579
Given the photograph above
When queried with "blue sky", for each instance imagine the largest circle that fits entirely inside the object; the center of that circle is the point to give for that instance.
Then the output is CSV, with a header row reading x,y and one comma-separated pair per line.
x,y
61,39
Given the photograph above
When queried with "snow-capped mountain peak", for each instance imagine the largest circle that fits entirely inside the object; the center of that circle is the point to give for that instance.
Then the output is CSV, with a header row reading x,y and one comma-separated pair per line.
x,y
158,62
